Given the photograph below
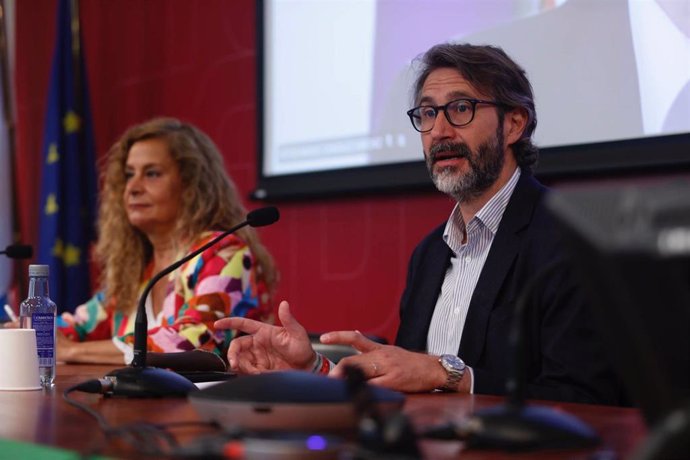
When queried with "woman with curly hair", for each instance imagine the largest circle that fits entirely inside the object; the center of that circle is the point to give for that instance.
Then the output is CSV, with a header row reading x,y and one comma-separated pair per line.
x,y
164,193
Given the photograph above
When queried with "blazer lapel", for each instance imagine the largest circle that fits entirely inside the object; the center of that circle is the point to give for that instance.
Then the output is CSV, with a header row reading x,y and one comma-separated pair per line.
x,y
435,267
413,330
504,250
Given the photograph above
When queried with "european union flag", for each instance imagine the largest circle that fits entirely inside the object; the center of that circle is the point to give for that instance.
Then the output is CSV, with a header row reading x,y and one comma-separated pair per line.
x,y
68,195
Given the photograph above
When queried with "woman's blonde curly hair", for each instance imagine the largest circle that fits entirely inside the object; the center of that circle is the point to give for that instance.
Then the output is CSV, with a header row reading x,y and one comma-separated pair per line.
x,y
209,202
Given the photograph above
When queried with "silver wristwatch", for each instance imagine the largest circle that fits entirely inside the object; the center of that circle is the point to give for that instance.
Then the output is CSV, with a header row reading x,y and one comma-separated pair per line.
x,y
455,367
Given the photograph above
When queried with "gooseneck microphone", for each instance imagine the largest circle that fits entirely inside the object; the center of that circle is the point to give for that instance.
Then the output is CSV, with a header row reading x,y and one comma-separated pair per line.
x,y
138,380
257,218
18,251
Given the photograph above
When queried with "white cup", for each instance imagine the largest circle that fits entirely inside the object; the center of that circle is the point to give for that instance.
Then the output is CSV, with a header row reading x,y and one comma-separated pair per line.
x,y
18,360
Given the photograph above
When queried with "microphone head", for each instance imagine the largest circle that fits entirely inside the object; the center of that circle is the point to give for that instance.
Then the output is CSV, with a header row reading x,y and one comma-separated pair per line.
x,y
19,251
263,216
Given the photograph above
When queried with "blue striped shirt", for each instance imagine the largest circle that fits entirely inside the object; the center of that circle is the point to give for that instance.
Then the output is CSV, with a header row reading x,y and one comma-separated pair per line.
x,y
466,263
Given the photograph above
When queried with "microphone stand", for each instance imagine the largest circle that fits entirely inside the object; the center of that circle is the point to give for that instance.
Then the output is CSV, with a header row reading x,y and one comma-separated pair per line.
x,y
139,380
381,437
515,425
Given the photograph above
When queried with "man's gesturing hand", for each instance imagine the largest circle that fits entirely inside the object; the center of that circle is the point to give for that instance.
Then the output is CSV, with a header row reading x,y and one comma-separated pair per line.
x,y
387,365
267,347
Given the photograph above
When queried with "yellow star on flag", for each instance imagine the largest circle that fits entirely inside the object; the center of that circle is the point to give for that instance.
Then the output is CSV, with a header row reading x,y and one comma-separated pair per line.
x,y
53,155
51,205
72,122
57,249
71,256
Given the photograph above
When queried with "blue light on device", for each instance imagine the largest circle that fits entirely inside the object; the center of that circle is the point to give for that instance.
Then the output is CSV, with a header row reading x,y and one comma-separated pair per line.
x,y
316,442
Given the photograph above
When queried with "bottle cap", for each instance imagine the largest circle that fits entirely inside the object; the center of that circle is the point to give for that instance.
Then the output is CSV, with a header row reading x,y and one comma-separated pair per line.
x,y
39,270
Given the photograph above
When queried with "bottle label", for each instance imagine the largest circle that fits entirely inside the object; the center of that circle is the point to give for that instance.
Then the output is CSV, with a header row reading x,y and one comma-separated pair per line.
x,y
44,324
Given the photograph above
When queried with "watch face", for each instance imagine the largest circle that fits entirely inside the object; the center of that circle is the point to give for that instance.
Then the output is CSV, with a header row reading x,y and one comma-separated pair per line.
x,y
452,362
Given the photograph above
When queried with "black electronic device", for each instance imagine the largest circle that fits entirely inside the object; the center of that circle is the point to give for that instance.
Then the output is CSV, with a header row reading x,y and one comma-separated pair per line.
x,y
287,400
140,380
631,246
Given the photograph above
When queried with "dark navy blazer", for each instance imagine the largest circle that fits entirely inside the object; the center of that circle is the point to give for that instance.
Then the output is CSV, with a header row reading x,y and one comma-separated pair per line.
x,y
564,358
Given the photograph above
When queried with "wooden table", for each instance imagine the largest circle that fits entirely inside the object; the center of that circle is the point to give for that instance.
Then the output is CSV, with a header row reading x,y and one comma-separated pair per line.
x,y
43,417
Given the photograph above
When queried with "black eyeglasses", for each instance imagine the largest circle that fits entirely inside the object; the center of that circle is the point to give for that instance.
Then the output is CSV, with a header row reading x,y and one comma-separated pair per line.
x,y
459,112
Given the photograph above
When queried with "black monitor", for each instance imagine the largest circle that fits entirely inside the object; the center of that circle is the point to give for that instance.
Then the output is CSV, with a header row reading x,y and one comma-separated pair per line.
x,y
631,245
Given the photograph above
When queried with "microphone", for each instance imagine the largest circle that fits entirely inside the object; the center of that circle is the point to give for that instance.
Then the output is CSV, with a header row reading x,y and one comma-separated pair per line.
x,y
514,425
18,251
138,380
380,436
262,217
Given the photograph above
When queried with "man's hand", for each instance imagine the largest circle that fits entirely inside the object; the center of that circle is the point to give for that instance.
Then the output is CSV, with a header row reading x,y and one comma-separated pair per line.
x,y
267,347
390,366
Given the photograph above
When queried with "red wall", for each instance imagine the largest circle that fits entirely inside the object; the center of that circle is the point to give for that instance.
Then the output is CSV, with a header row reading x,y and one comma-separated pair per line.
x,y
342,261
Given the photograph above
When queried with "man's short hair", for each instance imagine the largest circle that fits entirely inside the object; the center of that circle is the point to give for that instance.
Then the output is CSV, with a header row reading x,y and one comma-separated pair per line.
x,y
491,71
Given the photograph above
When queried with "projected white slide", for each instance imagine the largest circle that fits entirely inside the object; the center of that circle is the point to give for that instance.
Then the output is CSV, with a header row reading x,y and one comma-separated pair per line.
x,y
337,72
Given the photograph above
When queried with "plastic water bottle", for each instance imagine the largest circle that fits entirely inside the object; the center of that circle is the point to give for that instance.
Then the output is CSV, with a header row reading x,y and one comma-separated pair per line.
x,y
38,312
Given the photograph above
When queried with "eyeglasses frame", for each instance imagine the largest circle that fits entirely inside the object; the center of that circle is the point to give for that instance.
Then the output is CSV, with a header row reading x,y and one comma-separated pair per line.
x,y
439,108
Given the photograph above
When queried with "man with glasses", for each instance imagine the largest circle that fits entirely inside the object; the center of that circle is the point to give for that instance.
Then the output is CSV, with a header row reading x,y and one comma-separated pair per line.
x,y
475,111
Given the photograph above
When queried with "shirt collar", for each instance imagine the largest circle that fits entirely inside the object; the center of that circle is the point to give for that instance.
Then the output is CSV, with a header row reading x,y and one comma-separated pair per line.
x,y
489,215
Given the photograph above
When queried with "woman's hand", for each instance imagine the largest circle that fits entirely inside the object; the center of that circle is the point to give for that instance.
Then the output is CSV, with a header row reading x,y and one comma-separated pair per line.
x,y
267,347
64,348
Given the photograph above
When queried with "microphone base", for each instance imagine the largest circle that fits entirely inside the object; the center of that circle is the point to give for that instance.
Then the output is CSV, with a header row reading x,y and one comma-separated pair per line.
x,y
528,428
148,382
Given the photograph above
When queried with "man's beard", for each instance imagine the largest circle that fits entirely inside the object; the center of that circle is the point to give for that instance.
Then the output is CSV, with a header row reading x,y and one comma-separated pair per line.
x,y
485,166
